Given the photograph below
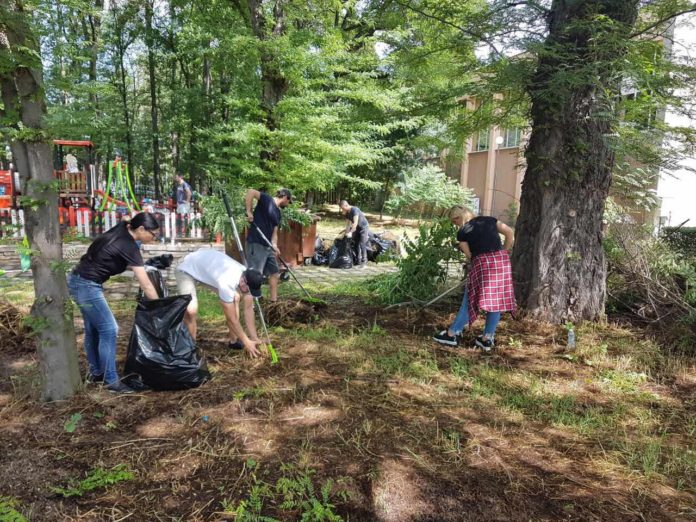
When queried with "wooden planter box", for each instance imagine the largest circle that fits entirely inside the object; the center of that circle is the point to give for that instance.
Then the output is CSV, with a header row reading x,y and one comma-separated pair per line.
x,y
296,244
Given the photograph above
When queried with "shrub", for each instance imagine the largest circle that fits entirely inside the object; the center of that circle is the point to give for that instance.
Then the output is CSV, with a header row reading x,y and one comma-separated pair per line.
x,y
681,240
427,191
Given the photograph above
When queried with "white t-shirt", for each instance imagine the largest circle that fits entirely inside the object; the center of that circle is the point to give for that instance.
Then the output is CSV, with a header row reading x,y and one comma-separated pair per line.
x,y
215,269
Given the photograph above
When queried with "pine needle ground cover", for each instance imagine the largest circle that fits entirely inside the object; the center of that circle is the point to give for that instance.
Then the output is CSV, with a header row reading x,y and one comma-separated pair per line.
x,y
365,418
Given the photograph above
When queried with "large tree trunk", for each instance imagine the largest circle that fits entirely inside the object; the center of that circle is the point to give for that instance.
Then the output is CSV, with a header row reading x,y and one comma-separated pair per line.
x,y
153,96
558,261
24,102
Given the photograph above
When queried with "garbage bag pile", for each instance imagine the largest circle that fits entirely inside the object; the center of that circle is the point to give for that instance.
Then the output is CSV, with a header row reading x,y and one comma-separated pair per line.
x,y
342,254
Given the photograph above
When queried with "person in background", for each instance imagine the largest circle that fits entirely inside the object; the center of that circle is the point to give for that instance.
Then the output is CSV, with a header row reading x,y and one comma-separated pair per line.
x,y
489,284
265,218
183,195
109,255
358,229
228,278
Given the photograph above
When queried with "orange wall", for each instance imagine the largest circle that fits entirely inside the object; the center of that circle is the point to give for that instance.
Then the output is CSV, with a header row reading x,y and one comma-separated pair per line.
x,y
505,182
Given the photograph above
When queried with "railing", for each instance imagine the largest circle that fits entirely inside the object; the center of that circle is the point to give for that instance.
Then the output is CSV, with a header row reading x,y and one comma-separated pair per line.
x,y
88,223
71,182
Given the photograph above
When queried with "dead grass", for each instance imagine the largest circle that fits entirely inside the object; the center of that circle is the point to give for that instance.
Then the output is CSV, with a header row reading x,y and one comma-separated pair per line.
x,y
366,419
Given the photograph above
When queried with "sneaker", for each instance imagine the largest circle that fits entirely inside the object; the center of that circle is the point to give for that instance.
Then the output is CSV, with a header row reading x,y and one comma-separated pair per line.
x,y
237,345
443,338
486,345
119,387
94,379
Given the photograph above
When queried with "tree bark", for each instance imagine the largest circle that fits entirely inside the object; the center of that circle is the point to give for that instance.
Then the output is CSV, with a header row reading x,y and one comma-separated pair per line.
x,y
558,260
123,90
153,95
24,102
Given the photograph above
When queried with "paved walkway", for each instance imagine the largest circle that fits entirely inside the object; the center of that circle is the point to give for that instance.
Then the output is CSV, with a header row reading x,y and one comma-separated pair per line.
x,y
317,276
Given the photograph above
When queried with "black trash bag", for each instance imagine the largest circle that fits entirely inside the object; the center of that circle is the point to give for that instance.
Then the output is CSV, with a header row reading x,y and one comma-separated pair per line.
x,y
157,280
320,259
341,253
161,349
376,246
162,262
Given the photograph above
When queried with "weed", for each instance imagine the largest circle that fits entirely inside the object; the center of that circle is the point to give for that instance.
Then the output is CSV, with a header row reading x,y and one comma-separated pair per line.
x,y
295,495
460,367
98,478
249,393
72,422
8,511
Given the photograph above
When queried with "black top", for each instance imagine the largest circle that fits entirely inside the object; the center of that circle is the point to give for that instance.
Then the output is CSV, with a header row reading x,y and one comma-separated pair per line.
x,y
481,235
109,255
266,217
362,221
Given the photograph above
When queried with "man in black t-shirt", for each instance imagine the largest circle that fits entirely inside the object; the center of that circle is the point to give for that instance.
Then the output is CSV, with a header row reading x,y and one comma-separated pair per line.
x,y
358,229
265,218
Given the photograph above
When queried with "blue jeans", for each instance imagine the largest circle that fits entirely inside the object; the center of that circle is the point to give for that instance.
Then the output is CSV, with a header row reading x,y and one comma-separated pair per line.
x,y
101,328
462,319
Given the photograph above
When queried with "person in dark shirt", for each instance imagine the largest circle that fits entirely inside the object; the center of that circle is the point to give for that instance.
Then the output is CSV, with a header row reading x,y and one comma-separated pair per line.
x,y
265,218
489,283
358,229
109,255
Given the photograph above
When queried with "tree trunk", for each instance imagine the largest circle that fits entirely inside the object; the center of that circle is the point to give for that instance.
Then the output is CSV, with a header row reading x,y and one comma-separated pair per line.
x,y
153,96
123,90
274,83
558,260
94,34
24,102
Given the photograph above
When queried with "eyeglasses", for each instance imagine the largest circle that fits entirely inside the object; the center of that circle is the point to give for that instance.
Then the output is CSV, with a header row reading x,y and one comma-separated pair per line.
x,y
154,235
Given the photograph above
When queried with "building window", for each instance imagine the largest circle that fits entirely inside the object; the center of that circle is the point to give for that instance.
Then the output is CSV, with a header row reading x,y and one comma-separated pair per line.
x,y
511,138
481,142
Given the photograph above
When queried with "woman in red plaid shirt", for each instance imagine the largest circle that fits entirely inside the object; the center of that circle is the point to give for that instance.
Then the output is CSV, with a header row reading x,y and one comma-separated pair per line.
x,y
489,285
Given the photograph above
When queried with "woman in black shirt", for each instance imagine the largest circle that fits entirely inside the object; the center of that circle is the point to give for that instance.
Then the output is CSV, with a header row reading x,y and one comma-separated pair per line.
x,y
489,284
109,255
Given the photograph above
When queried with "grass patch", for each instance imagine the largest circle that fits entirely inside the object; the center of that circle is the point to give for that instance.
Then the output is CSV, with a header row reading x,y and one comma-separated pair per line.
x,y
8,510
98,478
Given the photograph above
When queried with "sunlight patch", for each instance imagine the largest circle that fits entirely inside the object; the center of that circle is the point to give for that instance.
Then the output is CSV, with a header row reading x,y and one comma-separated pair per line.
x,y
397,493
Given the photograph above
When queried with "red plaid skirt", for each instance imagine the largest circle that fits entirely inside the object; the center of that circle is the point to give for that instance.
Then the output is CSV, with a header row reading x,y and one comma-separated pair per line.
x,y
490,284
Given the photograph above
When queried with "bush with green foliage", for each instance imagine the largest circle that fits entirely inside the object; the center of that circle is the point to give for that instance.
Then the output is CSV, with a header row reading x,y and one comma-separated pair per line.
x,y
424,268
427,191
681,240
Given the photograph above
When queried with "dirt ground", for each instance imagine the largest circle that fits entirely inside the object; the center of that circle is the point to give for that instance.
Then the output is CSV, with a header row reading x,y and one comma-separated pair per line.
x,y
366,419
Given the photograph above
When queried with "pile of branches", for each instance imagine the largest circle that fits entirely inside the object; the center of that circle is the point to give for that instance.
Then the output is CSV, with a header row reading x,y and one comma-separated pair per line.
x,y
648,279
14,333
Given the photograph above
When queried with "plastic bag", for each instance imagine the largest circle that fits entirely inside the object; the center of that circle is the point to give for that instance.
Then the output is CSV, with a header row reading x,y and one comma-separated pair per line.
x,y
376,246
341,253
161,349
157,280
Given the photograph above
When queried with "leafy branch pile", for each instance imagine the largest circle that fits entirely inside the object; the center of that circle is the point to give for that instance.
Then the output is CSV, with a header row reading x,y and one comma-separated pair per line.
x,y
651,281
424,268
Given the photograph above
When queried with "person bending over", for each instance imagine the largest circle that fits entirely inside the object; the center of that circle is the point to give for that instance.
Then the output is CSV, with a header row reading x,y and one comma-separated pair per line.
x,y
228,278
265,218
489,283
358,229
109,255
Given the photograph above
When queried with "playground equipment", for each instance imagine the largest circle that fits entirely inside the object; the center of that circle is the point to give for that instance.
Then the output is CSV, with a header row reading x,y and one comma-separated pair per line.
x,y
75,182
118,172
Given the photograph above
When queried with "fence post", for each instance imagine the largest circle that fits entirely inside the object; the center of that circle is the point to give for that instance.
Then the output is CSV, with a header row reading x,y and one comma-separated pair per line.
x,y
167,230
85,221
172,217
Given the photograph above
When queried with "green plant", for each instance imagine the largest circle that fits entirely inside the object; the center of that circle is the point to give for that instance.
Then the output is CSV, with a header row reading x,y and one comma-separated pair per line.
x,y
423,269
425,190
98,478
72,422
8,511
294,213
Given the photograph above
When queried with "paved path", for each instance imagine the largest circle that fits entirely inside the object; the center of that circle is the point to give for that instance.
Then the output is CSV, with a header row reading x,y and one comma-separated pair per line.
x,y
317,276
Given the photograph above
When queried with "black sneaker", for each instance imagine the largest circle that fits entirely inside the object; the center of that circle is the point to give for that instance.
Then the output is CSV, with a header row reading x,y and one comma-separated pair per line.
x,y
94,379
443,338
119,387
237,345
487,345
